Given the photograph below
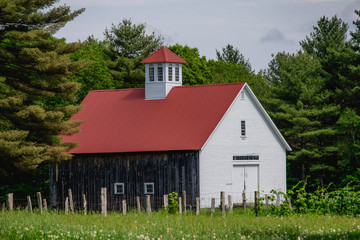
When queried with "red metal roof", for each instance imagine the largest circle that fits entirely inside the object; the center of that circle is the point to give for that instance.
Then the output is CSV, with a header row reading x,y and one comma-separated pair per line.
x,y
122,121
163,54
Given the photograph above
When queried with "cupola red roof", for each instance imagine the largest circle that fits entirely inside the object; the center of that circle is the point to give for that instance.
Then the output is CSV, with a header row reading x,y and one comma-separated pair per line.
x,y
163,54
123,121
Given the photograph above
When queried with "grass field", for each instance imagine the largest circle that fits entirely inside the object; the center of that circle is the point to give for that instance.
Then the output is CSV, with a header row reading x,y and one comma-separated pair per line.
x,y
240,225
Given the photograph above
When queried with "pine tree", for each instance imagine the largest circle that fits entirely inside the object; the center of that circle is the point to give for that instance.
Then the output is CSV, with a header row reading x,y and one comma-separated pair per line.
x,y
298,106
33,71
128,44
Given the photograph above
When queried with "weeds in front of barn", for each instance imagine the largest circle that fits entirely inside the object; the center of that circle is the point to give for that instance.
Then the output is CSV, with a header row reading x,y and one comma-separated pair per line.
x,y
21,224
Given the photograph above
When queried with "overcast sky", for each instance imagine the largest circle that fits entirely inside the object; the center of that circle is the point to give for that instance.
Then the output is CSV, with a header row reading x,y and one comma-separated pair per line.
x,y
257,28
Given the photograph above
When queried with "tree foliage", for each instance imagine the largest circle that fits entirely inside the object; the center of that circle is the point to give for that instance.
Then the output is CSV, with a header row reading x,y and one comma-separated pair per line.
x,y
128,44
34,67
314,101
233,55
96,75
196,70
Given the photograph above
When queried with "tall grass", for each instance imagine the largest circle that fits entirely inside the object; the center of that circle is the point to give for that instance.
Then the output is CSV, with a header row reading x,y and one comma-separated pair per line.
x,y
239,225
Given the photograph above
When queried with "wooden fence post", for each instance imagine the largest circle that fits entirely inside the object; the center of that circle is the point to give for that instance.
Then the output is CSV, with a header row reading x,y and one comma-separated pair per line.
x,y
197,206
148,205
138,206
180,205
103,201
84,204
28,198
66,205
230,204
222,203
71,201
39,201
166,202
184,200
290,206
256,202
244,199
278,199
10,201
212,206
45,204
124,207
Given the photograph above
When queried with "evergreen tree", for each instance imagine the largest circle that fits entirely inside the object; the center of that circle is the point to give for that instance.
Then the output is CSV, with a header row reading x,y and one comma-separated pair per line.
x,y
33,71
328,42
299,107
233,55
128,44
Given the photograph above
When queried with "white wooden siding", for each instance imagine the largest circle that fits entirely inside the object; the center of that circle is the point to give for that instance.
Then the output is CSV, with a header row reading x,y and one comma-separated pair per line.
x,y
216,157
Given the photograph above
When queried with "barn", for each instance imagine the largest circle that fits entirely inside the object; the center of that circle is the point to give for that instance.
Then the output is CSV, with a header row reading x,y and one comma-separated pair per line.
x,y
171,138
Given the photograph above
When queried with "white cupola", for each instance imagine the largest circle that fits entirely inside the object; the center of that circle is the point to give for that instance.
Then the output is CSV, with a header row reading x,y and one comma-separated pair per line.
x,y
163,71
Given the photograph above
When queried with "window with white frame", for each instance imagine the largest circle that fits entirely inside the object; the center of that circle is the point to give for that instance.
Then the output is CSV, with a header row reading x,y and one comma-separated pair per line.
x,y
170,73
151,73
243,128
148,188
177,73
160,74
119,188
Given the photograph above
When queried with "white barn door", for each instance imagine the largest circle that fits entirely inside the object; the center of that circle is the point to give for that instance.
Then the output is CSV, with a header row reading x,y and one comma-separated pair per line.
x,y
245,178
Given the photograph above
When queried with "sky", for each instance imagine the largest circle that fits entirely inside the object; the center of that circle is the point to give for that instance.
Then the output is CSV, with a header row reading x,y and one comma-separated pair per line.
x,y
258,28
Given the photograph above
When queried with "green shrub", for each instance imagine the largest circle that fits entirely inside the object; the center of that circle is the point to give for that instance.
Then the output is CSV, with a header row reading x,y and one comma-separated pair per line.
x,y
174,204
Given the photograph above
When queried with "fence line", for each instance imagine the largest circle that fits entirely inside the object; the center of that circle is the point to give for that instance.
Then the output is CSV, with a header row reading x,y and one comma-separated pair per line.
x,y
218,201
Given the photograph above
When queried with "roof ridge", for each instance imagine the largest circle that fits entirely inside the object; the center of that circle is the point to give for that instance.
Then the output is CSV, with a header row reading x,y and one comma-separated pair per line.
x,y
116,90
211,85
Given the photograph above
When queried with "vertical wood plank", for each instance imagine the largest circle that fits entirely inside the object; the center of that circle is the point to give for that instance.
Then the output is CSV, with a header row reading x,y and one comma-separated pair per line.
x,y
222,203
197,206
71,202
148,205
230,204
138,206
66,205
84,204
45,204
244,199
29,204
10,201
212,206
103,201
184,200
39,201
166,201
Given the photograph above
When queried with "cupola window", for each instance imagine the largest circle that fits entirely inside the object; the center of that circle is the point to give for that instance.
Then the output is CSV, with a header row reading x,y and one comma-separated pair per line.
x,y
151,74
160,73
170,73
177,73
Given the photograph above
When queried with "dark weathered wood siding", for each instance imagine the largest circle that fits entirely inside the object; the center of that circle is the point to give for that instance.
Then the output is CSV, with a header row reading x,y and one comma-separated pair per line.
x,y
87,173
